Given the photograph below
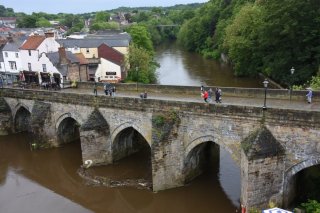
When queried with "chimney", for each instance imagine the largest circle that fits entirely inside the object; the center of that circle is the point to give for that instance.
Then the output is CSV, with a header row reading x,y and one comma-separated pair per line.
x,y
49,34
10,38
63,56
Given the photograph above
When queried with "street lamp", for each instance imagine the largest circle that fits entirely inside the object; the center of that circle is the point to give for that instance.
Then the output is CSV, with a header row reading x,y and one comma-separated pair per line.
x,y
291,82
137,75
265,84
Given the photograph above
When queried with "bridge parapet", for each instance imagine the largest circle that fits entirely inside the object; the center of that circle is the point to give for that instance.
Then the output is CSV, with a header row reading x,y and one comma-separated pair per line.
x,y
193,90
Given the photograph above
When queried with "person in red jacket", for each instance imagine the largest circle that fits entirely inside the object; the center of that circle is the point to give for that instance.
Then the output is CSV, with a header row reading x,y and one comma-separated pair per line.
x,y
205,96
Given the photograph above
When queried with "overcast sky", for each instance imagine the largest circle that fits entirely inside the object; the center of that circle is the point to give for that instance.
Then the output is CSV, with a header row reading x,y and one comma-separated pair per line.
x,y
81,6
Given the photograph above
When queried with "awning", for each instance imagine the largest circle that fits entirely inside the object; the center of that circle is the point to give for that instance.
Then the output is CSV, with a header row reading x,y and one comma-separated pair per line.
x,y
56,75
44,75
276,210
29,73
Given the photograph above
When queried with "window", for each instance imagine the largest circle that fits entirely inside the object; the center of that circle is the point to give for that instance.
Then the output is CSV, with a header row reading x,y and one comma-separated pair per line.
x,y
29,51
6,54
29,66
87,50
13,65
17,55
0,65
111,73
44,68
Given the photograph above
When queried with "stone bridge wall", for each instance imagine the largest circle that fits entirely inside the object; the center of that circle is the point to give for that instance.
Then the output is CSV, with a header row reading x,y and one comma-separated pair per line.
x,y
193,90
172,141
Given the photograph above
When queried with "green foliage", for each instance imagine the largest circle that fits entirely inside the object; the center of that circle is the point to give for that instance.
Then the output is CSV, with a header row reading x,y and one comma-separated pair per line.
x,y
259,36
6,12
102,17
254,210
141,37
42,22
158,120
315,82
312,206
104,25
142,65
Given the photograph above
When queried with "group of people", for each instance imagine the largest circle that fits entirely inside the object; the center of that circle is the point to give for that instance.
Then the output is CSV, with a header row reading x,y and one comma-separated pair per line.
x,y
207,94
108,89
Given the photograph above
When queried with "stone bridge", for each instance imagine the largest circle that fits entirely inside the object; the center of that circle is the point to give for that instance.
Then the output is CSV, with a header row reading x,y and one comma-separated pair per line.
x,y
270,146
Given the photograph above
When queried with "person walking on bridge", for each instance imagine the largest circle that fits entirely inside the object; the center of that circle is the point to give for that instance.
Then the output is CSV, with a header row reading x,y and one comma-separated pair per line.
x,y
95,91
309,95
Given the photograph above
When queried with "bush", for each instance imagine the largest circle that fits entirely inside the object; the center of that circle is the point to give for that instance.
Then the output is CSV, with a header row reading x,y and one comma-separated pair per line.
x,y
312,206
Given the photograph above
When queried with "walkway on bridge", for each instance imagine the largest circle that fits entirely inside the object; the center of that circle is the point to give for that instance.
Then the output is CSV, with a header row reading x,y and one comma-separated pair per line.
x,y
226,100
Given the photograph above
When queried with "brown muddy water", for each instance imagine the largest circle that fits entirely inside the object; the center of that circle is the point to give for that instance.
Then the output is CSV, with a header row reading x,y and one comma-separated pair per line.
x,y
49,181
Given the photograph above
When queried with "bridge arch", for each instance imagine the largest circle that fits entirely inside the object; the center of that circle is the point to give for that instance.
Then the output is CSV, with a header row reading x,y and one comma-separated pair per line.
x,y
290,179
197,142
67,129
124,126
22,118
17,107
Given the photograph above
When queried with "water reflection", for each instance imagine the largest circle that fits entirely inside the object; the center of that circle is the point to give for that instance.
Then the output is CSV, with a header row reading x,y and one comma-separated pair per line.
x,y
47,180
180,67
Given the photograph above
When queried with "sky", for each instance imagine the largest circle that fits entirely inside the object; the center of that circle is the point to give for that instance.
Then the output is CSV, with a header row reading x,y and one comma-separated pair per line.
x,y
82,6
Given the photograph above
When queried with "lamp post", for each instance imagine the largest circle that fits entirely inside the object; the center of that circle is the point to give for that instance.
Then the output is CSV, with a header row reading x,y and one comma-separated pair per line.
x,y
137,75
265,84
291,82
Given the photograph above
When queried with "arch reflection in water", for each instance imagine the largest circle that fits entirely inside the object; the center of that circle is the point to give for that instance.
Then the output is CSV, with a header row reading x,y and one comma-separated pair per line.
x,y
212,161
130,142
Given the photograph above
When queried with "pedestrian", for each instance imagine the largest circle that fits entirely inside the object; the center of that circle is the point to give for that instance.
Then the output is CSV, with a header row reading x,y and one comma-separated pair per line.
x,y
220,95
210,95
95,91
217,95
105,89
202,89
309,95
113,91
205,96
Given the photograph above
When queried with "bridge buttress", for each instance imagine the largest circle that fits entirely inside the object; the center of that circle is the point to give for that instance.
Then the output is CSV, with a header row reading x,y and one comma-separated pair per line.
x,y
262,170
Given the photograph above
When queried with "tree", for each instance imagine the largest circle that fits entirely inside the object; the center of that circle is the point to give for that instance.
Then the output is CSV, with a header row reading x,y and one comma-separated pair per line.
x,y
142,65
42,22
141,37
102,17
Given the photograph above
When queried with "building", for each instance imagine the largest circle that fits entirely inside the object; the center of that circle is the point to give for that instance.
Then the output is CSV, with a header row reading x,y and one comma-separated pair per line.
x,y
32,51
12,63
88,47
8,21
111,68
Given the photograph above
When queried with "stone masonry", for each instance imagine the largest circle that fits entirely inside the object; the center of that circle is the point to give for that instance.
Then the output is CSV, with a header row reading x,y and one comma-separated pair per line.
x,y
287,140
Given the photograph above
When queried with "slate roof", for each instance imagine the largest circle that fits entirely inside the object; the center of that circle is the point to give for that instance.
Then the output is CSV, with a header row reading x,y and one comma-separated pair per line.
x,y
54,57
15,44
92,43
33,42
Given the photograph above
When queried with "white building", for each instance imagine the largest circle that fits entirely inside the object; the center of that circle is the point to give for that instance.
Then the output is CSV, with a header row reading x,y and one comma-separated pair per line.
x,y
12,64
34,65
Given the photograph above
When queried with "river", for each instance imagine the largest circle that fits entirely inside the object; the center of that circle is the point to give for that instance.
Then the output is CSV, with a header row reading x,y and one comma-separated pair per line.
x,y
180,67
49,181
